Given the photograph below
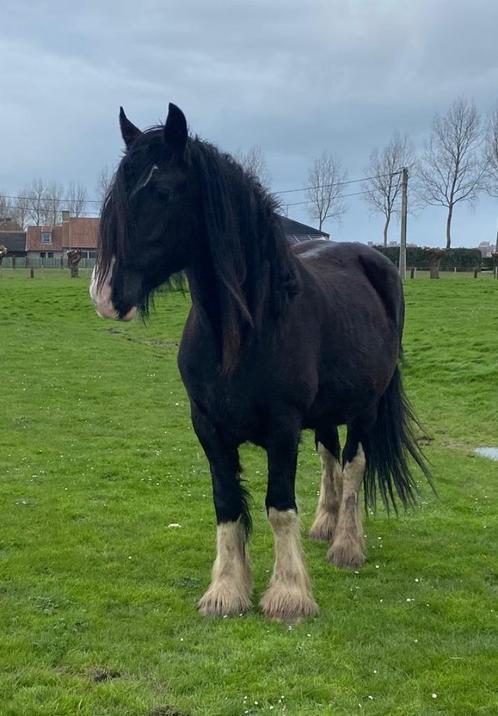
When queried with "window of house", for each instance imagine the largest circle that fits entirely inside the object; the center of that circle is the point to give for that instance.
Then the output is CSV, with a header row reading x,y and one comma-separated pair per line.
x,y
42,254
50,254
46,237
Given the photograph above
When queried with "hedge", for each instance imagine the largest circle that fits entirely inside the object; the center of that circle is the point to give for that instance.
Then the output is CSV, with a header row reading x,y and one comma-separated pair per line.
x,y
459,259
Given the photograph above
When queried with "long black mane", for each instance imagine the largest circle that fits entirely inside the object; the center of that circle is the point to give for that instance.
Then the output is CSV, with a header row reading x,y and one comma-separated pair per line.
x,y
247,245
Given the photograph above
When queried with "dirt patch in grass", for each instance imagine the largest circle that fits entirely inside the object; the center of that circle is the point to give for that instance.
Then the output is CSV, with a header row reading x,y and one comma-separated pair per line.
x,y
100,675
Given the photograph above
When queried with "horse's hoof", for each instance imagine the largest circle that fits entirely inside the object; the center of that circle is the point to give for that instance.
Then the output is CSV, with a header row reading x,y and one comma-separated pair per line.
x,y
222,599
323,527
288,605
346,554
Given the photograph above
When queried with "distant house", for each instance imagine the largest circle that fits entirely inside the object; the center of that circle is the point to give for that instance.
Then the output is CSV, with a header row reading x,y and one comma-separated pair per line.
x,y
297,232
12,237
44,242
486,248
53,242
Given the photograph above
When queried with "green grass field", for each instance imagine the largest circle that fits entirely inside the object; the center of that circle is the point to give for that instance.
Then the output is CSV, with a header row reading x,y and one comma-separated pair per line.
x,y
98,593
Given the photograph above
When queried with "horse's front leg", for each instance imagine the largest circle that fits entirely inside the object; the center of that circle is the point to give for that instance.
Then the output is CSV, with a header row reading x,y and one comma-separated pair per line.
x,y
230,588
288,597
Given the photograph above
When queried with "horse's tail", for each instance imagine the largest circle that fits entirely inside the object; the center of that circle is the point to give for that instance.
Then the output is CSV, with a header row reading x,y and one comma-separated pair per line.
x,y
388,447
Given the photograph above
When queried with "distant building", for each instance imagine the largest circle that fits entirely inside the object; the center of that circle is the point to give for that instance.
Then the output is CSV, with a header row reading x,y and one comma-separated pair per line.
x,y
12,237
297,232
486,248
52,242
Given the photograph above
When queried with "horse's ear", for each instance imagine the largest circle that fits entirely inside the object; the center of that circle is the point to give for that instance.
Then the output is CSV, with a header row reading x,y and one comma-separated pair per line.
x,y
175,129
128,130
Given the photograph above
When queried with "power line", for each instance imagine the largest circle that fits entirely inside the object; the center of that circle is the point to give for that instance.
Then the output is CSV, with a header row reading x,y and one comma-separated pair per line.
x,y
343,196
53,201
337,183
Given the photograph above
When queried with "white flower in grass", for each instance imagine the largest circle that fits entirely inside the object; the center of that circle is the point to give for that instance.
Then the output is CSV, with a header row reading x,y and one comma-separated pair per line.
x,y
434,696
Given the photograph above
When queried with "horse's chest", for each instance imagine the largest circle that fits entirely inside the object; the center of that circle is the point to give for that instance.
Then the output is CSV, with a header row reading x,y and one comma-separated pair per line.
x,y
229,407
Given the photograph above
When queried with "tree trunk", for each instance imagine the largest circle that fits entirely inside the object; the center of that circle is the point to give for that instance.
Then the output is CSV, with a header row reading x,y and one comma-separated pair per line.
x,y
386,227
435,258
448,226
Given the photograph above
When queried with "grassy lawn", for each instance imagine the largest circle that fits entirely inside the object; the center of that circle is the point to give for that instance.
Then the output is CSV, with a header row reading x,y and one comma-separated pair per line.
x,y
98,591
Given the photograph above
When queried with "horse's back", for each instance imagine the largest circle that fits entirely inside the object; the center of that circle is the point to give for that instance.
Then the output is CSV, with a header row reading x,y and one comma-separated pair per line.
x,y
348,266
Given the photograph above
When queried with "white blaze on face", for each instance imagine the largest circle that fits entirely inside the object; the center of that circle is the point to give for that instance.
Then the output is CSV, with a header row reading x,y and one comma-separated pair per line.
x,y
102,297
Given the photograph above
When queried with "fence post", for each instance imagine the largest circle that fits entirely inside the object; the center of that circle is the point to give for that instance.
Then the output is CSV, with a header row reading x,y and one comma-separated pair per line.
x,y
412,272
32,273
404,214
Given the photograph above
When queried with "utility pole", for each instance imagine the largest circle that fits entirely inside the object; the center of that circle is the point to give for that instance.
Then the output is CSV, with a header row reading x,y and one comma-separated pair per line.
x,y
404,212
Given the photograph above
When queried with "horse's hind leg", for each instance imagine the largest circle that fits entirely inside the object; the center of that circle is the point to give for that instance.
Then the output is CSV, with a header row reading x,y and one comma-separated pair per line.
x,y
230,588
288,597
329,501
347,548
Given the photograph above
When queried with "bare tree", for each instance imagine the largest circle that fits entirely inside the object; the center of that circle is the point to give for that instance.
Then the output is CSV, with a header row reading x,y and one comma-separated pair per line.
x,y
492,154
6,208
324,193
384,188
452,168
254,162
104,181
75,199
35,197
20,209
54,195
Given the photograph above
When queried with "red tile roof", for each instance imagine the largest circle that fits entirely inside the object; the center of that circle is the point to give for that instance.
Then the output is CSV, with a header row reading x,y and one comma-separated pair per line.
x,y
77,233
34,242
80,233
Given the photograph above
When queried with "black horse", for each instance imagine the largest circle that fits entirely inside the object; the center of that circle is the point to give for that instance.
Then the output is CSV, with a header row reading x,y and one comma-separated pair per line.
x,y
278,339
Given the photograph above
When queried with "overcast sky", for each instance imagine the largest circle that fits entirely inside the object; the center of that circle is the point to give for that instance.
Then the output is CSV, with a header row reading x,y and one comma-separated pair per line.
x,y
294,77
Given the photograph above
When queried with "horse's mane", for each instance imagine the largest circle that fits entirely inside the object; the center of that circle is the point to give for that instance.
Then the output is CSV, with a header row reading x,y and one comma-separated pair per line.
x,y
113,228
249,251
